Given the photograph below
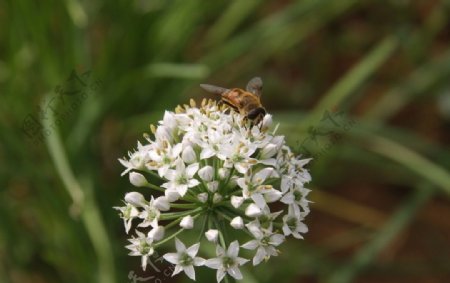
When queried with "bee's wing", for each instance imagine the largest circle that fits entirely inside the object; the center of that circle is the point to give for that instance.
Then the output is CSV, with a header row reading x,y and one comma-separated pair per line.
x,y
213,89
255,86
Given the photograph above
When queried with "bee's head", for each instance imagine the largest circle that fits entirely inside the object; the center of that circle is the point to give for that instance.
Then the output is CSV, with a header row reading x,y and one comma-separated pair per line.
x,y
256,114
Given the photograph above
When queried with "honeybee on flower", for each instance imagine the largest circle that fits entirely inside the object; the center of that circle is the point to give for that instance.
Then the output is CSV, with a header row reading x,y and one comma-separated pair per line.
x,y
205,172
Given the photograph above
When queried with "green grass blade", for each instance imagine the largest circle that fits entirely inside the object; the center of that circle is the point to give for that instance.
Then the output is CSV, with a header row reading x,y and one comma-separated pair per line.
x,y
411,160
353,79
398,222
229,21
418,83
82,201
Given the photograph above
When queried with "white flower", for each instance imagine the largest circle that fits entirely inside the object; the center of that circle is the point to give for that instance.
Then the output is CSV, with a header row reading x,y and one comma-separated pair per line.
x,y
212,145
239,155
163,157
296,197
237,222
254,188
182,178
227,262
187,222
185,259
141,246
292,225
209,163
212,235
150,215
266,218
128,213
136,160
265,242
135,198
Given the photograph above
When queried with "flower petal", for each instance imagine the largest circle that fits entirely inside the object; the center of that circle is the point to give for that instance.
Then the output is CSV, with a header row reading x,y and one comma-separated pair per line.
x,y
179,246
259,200
198,261
178,269
192,169
190,272
235,272
214,263
250,245
220,274
171,257
193,250
259,256
233,249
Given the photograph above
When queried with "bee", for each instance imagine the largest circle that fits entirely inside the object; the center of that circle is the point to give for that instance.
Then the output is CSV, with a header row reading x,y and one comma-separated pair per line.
x,y
246,102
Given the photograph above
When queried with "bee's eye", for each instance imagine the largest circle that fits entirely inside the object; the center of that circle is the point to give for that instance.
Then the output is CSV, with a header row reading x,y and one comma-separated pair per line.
x,y
255,113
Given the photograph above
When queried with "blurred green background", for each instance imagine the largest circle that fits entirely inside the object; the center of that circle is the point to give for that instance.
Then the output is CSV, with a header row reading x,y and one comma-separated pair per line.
x,y
363,86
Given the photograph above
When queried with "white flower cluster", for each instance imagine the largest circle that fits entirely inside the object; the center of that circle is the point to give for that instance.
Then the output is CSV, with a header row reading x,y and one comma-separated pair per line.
x,y
210,171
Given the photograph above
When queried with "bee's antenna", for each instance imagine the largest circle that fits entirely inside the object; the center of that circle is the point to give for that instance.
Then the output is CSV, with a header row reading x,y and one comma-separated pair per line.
x,y
213,88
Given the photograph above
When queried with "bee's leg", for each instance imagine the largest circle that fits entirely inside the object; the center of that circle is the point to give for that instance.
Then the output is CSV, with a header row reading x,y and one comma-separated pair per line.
x,y
256,115
260,119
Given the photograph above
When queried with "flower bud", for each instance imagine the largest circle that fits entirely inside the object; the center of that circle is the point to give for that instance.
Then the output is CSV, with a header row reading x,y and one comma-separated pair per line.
x,y
203,197
137,179
212,235
172,195
272,195
156,233
187,222
217,198
236,201
135,198
162,203
266,122
188,155
269,151
206,173
223,173
213,186
237,223
253,210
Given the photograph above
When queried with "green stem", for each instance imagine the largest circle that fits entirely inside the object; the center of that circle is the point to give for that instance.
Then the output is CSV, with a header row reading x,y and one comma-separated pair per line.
x,y
176,233
151,186
169,238
183,205
221,237
228,217
204,226
154,174
225,185
173,215
173,223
